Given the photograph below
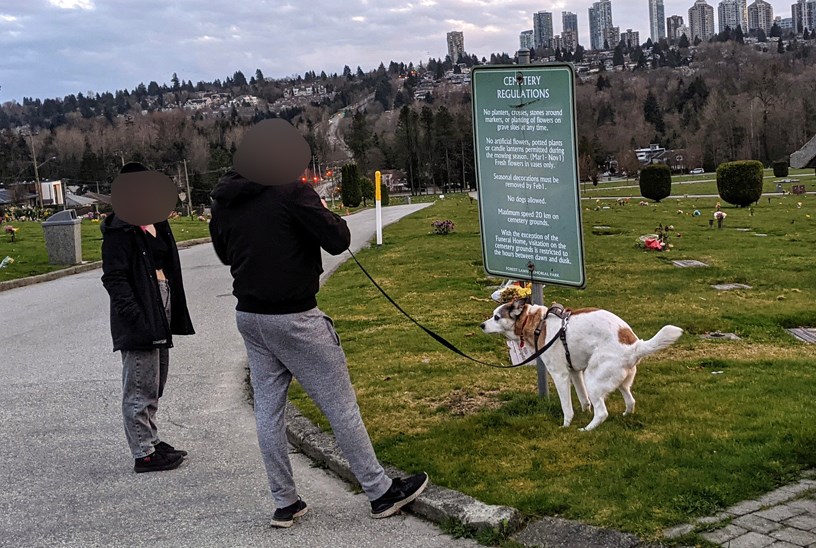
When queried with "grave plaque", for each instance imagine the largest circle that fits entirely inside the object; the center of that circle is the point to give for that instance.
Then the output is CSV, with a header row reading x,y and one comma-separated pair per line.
x,y
527,172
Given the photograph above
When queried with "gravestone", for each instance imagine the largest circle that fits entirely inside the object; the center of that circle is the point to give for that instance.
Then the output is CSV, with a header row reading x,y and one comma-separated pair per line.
x,y
729,287
805,334
720,336
690,263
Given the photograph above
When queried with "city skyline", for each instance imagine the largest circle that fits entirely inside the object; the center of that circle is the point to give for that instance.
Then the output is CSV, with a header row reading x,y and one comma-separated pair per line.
x,y
53,48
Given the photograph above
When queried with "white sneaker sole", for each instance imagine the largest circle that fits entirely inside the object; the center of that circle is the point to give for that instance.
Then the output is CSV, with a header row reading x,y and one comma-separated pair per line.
x,y
404,502
288,523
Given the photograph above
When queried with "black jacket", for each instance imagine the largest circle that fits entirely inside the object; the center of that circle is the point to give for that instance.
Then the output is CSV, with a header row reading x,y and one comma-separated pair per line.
x,y
137,314
271,237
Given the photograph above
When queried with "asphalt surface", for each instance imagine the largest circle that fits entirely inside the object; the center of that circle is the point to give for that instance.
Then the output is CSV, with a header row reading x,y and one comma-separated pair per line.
x,y
67,476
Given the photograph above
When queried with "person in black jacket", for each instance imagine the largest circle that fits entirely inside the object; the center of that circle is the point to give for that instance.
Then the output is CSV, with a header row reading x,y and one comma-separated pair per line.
x,y
142,274
271,235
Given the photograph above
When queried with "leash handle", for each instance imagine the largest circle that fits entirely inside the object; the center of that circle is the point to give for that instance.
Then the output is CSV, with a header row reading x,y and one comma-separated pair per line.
x,y
444,342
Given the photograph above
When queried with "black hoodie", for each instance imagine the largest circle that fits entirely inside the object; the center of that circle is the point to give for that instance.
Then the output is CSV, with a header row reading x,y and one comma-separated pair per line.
x,y
137,314
271,236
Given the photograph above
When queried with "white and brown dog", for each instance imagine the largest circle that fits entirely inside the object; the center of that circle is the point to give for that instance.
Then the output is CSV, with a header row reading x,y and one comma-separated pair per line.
x,y
603,352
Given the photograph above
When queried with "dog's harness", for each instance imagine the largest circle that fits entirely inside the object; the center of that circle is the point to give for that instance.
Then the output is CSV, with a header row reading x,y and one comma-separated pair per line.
x,y
558,311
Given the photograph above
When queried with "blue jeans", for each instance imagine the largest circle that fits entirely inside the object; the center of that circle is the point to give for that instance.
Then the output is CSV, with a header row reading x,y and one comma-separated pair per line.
x,y
144,373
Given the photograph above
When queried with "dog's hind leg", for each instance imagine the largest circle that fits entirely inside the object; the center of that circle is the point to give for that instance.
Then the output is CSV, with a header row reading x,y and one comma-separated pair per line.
x,y
580,389
626,391
601,379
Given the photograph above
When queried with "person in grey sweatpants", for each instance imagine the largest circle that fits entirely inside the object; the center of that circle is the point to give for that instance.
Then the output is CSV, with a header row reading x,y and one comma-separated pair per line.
x,y
270,229
306,346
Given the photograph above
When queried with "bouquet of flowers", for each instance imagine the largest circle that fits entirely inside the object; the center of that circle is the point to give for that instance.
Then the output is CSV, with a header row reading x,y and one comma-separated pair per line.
x,y
11,230
443,227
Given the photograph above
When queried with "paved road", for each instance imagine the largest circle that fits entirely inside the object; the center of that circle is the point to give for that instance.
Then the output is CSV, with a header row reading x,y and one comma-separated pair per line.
x,y
67,477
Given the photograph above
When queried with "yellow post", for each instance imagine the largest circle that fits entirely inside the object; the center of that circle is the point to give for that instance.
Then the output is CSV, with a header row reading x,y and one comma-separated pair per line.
x,y
378,205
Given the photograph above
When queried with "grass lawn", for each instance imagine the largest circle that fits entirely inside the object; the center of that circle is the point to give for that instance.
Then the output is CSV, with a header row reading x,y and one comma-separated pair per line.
x,y
705,183
717,422
30,257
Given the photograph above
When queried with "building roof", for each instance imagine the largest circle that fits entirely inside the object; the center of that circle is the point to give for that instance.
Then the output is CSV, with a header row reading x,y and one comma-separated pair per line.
x,y
79,201
805,156
7,198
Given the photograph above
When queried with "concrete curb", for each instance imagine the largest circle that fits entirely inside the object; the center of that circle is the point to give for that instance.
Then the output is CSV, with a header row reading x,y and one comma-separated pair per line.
x,y
78,269
437,504
441,505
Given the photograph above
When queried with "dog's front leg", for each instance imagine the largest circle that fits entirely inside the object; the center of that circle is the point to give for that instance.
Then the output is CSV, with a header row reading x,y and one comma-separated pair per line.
x,y
580,389
561,379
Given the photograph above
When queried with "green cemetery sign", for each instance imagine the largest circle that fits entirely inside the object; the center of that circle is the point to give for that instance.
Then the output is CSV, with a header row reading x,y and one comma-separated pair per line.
x,y
527,172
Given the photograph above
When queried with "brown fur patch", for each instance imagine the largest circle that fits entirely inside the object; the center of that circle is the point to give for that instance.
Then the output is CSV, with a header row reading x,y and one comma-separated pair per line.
x,y
527,333
583,311
626,336
521,322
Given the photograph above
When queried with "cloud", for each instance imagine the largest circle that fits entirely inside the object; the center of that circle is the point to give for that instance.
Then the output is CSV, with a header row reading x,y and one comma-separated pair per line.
x,y
72,4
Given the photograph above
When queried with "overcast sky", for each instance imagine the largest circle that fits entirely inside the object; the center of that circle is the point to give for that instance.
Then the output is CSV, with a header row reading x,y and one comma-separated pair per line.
x,y
50,48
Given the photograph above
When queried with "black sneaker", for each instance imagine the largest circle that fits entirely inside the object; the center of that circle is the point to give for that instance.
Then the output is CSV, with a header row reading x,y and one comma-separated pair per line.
x,y
156,461
284,517
166,448
401,493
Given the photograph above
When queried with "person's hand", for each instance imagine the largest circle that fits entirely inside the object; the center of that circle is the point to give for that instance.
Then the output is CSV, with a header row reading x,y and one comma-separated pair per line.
x,y
323,201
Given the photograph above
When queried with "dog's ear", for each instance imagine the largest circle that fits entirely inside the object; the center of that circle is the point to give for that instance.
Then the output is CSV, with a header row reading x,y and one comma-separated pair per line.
x,y
517,307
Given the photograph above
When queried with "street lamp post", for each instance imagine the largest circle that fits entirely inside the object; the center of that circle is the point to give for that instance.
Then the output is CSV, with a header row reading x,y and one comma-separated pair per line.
x,y
30,136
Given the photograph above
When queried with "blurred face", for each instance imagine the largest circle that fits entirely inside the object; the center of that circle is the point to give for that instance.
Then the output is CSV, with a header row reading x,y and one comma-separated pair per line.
x,y
143,198
272,153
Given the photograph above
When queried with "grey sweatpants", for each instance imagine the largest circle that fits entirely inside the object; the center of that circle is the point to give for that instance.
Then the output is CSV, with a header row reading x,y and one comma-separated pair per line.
x,y
306,346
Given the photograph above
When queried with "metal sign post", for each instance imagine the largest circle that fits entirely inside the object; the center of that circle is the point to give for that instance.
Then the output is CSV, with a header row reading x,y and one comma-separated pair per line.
x,y
378,205
527,171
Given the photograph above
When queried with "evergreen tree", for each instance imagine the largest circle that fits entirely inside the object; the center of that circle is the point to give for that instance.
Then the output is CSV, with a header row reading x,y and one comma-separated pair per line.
x,y
617,56
350,193
653,114
780,47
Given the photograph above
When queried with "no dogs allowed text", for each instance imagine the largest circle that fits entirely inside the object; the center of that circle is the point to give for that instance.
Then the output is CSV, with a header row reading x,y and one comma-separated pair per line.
x,y
527,172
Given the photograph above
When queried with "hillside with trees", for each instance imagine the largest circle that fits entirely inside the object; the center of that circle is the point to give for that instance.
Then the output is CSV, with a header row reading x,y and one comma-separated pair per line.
x,y
732,101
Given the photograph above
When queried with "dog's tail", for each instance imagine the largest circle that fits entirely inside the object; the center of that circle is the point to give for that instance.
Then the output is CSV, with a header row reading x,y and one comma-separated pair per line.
x,y
663,339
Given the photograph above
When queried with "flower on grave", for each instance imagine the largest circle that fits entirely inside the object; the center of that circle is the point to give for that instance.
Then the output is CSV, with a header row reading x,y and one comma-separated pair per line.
x,y
11,230
443,227
643,203
697,213
720,215
679,211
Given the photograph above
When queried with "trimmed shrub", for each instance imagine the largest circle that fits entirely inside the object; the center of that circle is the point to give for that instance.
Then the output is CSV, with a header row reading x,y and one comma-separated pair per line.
x,y
351,193
740,183
384,196
655,182
780,168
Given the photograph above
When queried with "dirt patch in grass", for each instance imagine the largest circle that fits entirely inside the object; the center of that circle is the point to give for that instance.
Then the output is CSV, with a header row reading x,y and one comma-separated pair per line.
x,y
463,402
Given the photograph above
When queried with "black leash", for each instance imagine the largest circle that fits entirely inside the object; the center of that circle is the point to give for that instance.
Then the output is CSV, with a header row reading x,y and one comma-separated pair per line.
x,y
444,342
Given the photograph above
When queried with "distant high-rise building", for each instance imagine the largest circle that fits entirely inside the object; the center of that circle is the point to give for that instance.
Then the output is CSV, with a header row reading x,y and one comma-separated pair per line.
x,y
612,36
569,21
542,29
456,45
630,38
600,21
760,16
784,23
526,39
701,21
656,20
733,14
569,33
569,40
803,13
672,24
